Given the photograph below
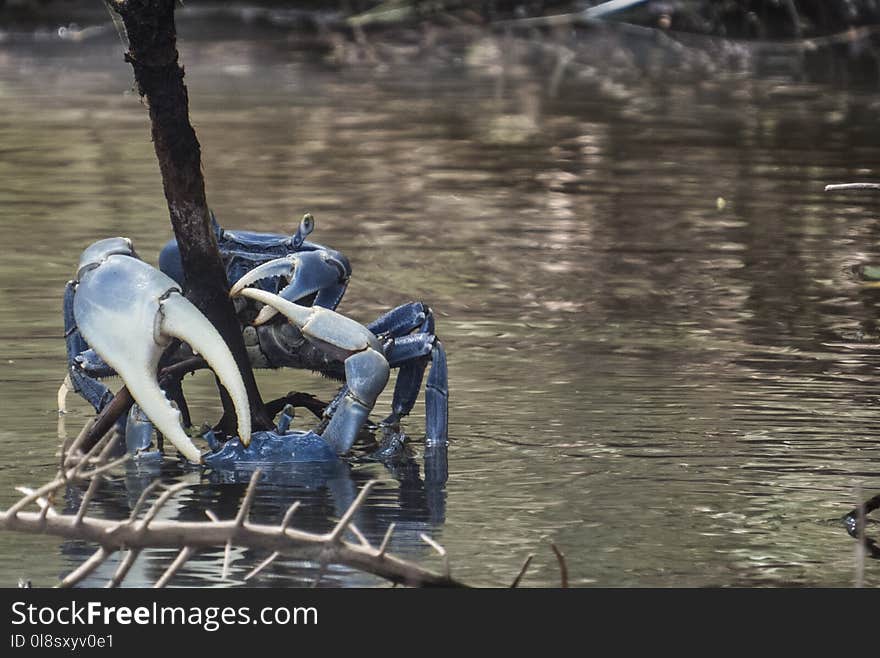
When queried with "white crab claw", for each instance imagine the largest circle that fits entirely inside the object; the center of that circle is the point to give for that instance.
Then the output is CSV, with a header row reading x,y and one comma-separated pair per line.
x,y
305,273
183,320
338,335
283,267
128,312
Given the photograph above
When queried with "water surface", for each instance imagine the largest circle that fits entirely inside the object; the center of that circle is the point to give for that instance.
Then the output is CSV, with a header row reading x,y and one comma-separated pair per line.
x,y
661,354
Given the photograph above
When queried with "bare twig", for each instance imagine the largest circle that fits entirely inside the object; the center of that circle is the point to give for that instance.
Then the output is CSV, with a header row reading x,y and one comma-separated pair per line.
x,y
227,558
143,499
45,504
563,568
33,496
86,499
86,568
433,544
440,551
288,516
123,568
45,510
184,555
160,502
109,466
360,536
95,480
96,452
262,565
42,503
386,539
70,448
337,532
227,549
245,507
522,571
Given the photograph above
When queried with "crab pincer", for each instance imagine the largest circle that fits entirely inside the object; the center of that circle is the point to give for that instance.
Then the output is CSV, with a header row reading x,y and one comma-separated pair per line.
x,y
305,273
129,312
343,339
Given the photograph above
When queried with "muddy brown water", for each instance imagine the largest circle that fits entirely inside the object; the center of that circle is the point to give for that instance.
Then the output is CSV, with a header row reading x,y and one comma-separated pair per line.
x,y
661,354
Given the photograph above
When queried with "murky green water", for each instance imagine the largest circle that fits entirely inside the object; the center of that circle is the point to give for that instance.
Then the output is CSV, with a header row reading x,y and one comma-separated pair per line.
x,y
677,394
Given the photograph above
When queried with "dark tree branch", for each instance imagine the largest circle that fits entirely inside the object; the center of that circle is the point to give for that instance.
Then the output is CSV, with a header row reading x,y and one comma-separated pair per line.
x,y
154,58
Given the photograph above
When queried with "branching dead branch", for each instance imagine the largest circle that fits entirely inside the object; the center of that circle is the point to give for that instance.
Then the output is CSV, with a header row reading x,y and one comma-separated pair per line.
x,y
138,533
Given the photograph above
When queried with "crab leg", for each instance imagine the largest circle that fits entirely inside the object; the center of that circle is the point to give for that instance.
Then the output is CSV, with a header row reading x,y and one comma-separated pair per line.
x,y
129,312
366,369
411,352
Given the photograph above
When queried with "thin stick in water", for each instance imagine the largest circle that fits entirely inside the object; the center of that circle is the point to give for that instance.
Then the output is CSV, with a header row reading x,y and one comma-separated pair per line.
x,y
85,568
337,532
262,565
386,539
123,568
245,508
563,568
175,566
522,571
288,516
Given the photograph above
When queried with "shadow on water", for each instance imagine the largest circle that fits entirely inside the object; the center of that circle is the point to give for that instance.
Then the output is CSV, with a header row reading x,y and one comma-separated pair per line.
x,y
662,348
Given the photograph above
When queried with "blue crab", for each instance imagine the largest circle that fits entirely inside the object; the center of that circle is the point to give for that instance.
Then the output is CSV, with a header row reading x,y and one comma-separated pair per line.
x,y
286,290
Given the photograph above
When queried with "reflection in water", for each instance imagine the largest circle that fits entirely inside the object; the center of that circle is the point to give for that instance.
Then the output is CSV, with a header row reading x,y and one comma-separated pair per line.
x,y
325,491
660,356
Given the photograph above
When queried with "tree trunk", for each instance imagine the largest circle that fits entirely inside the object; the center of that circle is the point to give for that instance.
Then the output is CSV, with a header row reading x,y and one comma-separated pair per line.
x,y
153,56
